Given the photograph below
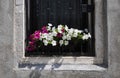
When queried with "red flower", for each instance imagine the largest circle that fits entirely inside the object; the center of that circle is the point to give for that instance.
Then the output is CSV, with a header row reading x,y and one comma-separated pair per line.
x,y
59,35
63,30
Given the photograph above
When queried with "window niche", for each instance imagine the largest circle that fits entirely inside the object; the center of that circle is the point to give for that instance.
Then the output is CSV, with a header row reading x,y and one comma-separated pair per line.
x,y
77,14
20,32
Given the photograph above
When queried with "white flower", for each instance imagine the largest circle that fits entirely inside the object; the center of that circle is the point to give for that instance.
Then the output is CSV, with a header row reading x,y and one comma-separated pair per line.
x,y
75,34
50,37
44,35
49,24
54,31
76,30
68,37
70,32
86,36
40,38
60,28
66,27
54,43
61,42
66,42
64,37
80,31
89,35
45,42
48,28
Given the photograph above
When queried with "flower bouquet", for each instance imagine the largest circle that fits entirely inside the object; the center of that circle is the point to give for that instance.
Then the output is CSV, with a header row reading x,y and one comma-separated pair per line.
x,y
52,36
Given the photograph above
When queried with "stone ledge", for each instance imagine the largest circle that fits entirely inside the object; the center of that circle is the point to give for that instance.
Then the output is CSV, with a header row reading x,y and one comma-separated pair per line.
x,y
27,73
57,67
59,60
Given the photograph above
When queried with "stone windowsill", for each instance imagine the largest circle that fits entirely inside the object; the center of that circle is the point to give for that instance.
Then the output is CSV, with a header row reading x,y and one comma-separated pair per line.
x,y
58,67
59,63
59,60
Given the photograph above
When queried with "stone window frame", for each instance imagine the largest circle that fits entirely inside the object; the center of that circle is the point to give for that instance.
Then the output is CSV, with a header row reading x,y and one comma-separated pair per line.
x,y
19,40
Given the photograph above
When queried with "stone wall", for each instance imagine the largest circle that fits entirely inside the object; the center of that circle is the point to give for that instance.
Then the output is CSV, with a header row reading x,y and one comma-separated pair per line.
x,y
6,39
7,48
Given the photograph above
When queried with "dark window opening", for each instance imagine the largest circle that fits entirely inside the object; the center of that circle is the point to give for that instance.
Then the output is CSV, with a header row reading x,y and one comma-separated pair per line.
x,y
74,13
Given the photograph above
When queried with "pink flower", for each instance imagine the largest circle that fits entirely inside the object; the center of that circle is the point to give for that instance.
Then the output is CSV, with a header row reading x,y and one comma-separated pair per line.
x,y
44,29
37,34
31,46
